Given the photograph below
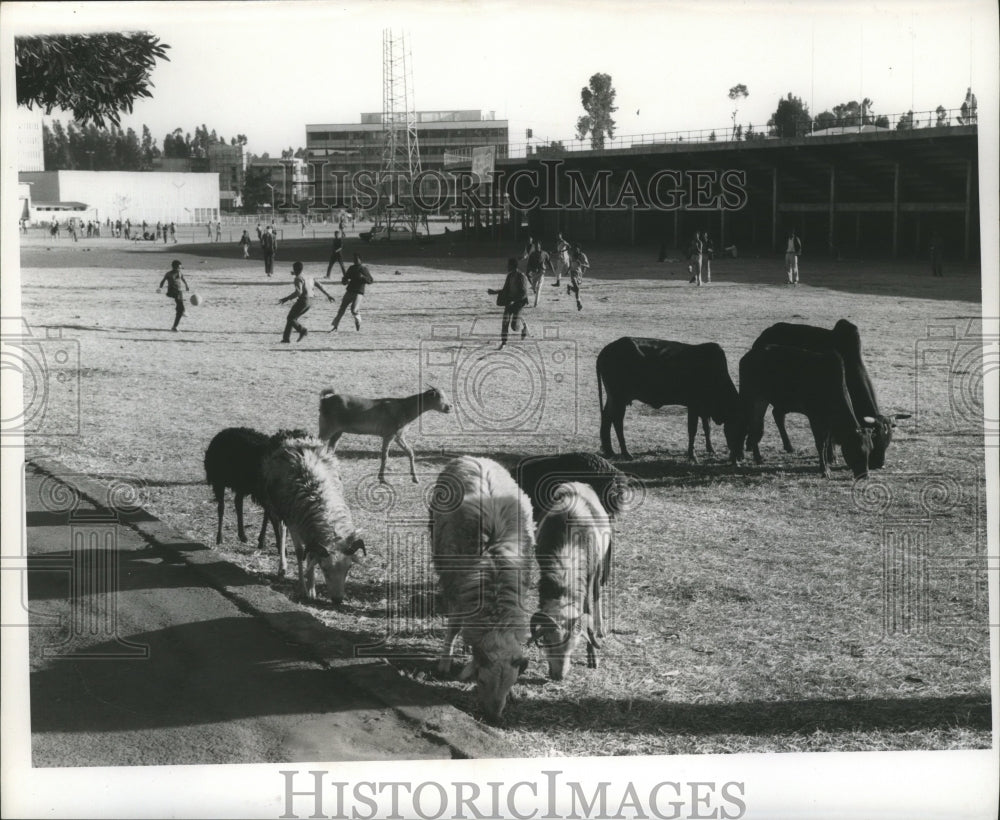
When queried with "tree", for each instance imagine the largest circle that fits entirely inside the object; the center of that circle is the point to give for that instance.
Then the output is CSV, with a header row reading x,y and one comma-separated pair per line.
x,y
790,119
255,190
825,119
905,122
881,121
598,99
970,109
736,94
95,76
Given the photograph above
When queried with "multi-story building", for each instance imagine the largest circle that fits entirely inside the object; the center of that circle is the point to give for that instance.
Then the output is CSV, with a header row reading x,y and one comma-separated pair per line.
x,y
336,153
30,147
289,180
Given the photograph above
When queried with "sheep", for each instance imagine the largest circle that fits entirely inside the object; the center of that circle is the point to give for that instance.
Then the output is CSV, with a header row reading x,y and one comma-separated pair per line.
x,y
482,534
539,476
233,460
302,488
573,550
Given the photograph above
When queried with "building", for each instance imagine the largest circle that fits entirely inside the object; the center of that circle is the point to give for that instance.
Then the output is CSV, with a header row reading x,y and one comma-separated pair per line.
x,y
337,152
136,195
30,146
288,180
230,163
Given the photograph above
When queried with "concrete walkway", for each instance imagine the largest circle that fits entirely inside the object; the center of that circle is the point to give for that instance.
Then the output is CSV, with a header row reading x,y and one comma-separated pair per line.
x,y
146,648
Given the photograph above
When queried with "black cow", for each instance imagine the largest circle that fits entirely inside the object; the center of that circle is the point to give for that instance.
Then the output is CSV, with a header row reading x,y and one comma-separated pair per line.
x,y
845,340
795,380
539,476
658,372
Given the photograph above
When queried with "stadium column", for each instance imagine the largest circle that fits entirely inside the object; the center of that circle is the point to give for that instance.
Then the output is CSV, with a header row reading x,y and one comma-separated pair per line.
x,y
968,208
774,208
833,199
895,210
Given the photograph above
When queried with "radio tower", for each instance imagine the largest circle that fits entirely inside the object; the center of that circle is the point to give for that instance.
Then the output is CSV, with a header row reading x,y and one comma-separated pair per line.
x,y
400,151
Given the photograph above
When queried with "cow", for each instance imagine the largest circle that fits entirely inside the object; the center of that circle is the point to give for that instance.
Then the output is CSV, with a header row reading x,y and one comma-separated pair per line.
x,y
795,380
385,418
844,339
658,372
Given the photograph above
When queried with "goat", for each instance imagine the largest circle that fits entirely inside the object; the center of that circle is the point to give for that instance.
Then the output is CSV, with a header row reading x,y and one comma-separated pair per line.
x,y
539,476
233,460
573,549
481,532
303,490
387,418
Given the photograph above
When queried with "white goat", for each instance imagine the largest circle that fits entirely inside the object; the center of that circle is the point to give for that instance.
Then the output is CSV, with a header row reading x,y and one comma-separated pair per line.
x,y
302,488
574,552
481,531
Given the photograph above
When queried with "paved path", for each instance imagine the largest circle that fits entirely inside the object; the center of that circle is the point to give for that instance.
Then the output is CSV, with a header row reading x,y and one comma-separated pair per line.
x,y
160,667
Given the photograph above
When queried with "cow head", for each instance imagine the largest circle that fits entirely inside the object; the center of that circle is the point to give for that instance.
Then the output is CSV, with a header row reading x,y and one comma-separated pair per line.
x,y
857,447
882,437
495,668
735,430
558,636
335,566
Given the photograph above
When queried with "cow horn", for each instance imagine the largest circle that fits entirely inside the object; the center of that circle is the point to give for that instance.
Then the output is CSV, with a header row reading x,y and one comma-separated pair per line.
x,y
355,545
538,620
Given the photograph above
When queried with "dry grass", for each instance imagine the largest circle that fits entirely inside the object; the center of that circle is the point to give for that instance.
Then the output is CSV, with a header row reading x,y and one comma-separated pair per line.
x,y
747,604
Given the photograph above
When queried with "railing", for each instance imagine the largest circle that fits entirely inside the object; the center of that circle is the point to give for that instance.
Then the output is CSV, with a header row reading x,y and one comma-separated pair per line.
x,y
886,125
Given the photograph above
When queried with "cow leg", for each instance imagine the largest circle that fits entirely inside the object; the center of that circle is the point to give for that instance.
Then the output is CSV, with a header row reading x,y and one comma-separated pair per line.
x,y
385,455
692,432
239,519
598,614
279,538
755,431
605,431
591,650
263,529
307,585
221,499
779,420
619,421
706,425
823,439
444,665
409,451
332,442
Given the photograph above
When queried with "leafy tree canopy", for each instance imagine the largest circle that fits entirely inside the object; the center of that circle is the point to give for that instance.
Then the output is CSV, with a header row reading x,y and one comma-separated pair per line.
x,y
94,76
598,99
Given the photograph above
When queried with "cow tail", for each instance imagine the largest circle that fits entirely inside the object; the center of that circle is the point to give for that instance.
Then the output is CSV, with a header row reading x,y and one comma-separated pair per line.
x,y
600,389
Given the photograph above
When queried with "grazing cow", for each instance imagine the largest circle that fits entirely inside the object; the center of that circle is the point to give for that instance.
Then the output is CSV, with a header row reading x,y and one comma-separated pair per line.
x,y
482,537
573,549
844,339
302,489
795,380
658,372
386,418
540,476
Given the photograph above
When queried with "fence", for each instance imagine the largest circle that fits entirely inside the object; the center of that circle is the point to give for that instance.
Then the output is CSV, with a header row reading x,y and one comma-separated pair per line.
x,y
881,124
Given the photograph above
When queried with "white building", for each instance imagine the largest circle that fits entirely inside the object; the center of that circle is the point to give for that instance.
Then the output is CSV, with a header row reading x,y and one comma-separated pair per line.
x,y
30,148
136,195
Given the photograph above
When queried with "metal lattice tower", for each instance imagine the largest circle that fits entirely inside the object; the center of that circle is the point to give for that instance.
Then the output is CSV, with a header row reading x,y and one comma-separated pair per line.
x,y
400,150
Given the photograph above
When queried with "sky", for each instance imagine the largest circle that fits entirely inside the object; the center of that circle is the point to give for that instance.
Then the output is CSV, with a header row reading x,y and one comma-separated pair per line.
x,y
266,69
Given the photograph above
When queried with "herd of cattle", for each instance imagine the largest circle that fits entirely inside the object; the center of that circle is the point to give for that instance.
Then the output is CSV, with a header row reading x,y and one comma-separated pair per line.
x,y
488,527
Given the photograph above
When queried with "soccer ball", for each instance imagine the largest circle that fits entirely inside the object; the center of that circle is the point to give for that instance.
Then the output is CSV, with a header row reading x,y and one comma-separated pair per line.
x,y
195,299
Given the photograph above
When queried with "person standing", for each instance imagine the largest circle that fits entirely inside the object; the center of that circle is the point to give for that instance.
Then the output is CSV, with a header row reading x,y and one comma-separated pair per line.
x,y
267,246
707,252
513,298
302,295
578,265
694,259
937,253
208,226
538,261
173,232
793,248
245,244
336,255
173,279
356,278
218,230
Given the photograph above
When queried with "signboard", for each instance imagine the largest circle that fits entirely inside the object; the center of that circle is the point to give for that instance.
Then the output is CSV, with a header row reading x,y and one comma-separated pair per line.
x,y
483,160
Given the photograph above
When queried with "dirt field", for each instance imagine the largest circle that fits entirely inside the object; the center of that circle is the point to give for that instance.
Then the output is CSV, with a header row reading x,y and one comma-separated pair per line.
x,y
753,609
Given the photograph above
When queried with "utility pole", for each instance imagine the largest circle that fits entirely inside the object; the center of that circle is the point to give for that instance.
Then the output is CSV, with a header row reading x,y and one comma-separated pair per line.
x,y
400,151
